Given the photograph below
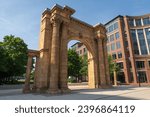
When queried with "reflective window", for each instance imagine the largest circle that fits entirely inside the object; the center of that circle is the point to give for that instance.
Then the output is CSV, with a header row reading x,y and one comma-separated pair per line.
x,y
126,43
115,25
140,64
111,28
113,46
119,54
108,48
114,56
131,22
142,76
146,21
138,22
147,31
118,45
112,37
134,39
142,41
117,35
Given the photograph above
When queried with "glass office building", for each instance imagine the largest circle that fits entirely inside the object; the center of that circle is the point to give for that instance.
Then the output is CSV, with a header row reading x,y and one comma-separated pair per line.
x,y
129,45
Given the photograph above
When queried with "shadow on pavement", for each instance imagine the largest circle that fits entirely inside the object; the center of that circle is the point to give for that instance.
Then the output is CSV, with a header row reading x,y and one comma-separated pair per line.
x,y
77,94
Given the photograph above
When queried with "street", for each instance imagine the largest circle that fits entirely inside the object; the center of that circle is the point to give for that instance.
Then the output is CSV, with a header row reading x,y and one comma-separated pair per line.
x,y
81,92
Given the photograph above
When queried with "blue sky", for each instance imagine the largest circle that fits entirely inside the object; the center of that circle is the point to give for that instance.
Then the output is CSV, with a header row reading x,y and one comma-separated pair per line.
x,y
22,17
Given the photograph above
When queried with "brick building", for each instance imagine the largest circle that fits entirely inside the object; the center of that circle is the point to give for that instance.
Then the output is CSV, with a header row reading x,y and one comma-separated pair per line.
x,y
129,45
80,48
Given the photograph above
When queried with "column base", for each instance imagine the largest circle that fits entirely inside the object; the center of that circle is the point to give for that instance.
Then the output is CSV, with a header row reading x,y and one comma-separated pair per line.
x,y
26,90
105,86
65,90
39,90
53,91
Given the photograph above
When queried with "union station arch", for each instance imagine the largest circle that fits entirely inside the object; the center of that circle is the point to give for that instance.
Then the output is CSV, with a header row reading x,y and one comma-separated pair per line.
x,y
58,27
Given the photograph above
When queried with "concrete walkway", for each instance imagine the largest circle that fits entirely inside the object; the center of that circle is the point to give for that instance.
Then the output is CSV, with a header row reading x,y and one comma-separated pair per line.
x,y
81,92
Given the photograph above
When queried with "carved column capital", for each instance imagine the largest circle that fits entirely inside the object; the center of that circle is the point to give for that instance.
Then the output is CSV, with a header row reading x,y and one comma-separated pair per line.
x,y
56,21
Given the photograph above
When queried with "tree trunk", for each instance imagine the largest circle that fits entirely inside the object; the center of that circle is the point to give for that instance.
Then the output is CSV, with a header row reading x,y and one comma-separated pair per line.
x,y
115,78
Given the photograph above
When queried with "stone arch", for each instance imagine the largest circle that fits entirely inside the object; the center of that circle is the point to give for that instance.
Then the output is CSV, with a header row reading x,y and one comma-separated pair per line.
x,y
57,28
91,61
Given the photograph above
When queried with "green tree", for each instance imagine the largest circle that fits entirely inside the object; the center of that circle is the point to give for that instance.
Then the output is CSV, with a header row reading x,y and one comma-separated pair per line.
x,y
114,69
74,63
3,59
84,68
15,53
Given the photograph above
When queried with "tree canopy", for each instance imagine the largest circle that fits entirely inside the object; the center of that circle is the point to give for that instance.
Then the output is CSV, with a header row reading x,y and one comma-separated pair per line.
x,y
113,65
13,56
74,63
84,68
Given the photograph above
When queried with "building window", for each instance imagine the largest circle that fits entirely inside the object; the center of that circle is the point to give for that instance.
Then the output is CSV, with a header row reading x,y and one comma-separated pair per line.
x,y
113,46
80,51
138,22
142,41
111,28
108,39
115,25
140,64
117,35
114,56
147,31
120,65
142,76
118,45
131,22
84,49
126,43
119,54
146,21
134,39
111,37
108,48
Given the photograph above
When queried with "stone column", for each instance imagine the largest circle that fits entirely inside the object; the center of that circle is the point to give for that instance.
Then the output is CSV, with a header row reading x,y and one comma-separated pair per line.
x,y
64,60
54,62
36,74
101,63
26,88
106,63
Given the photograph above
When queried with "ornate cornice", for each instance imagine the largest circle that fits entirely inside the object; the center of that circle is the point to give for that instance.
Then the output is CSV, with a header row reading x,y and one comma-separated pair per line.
x,y
81,23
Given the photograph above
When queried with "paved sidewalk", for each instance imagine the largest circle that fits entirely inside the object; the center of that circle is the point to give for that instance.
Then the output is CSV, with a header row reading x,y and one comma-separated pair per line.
x,y
82,92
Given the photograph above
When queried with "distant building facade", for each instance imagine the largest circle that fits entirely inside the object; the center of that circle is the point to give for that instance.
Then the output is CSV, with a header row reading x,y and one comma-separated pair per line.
x,y
129,45
80,48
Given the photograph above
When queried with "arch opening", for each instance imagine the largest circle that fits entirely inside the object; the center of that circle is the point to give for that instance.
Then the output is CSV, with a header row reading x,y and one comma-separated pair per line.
x,y
85,75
